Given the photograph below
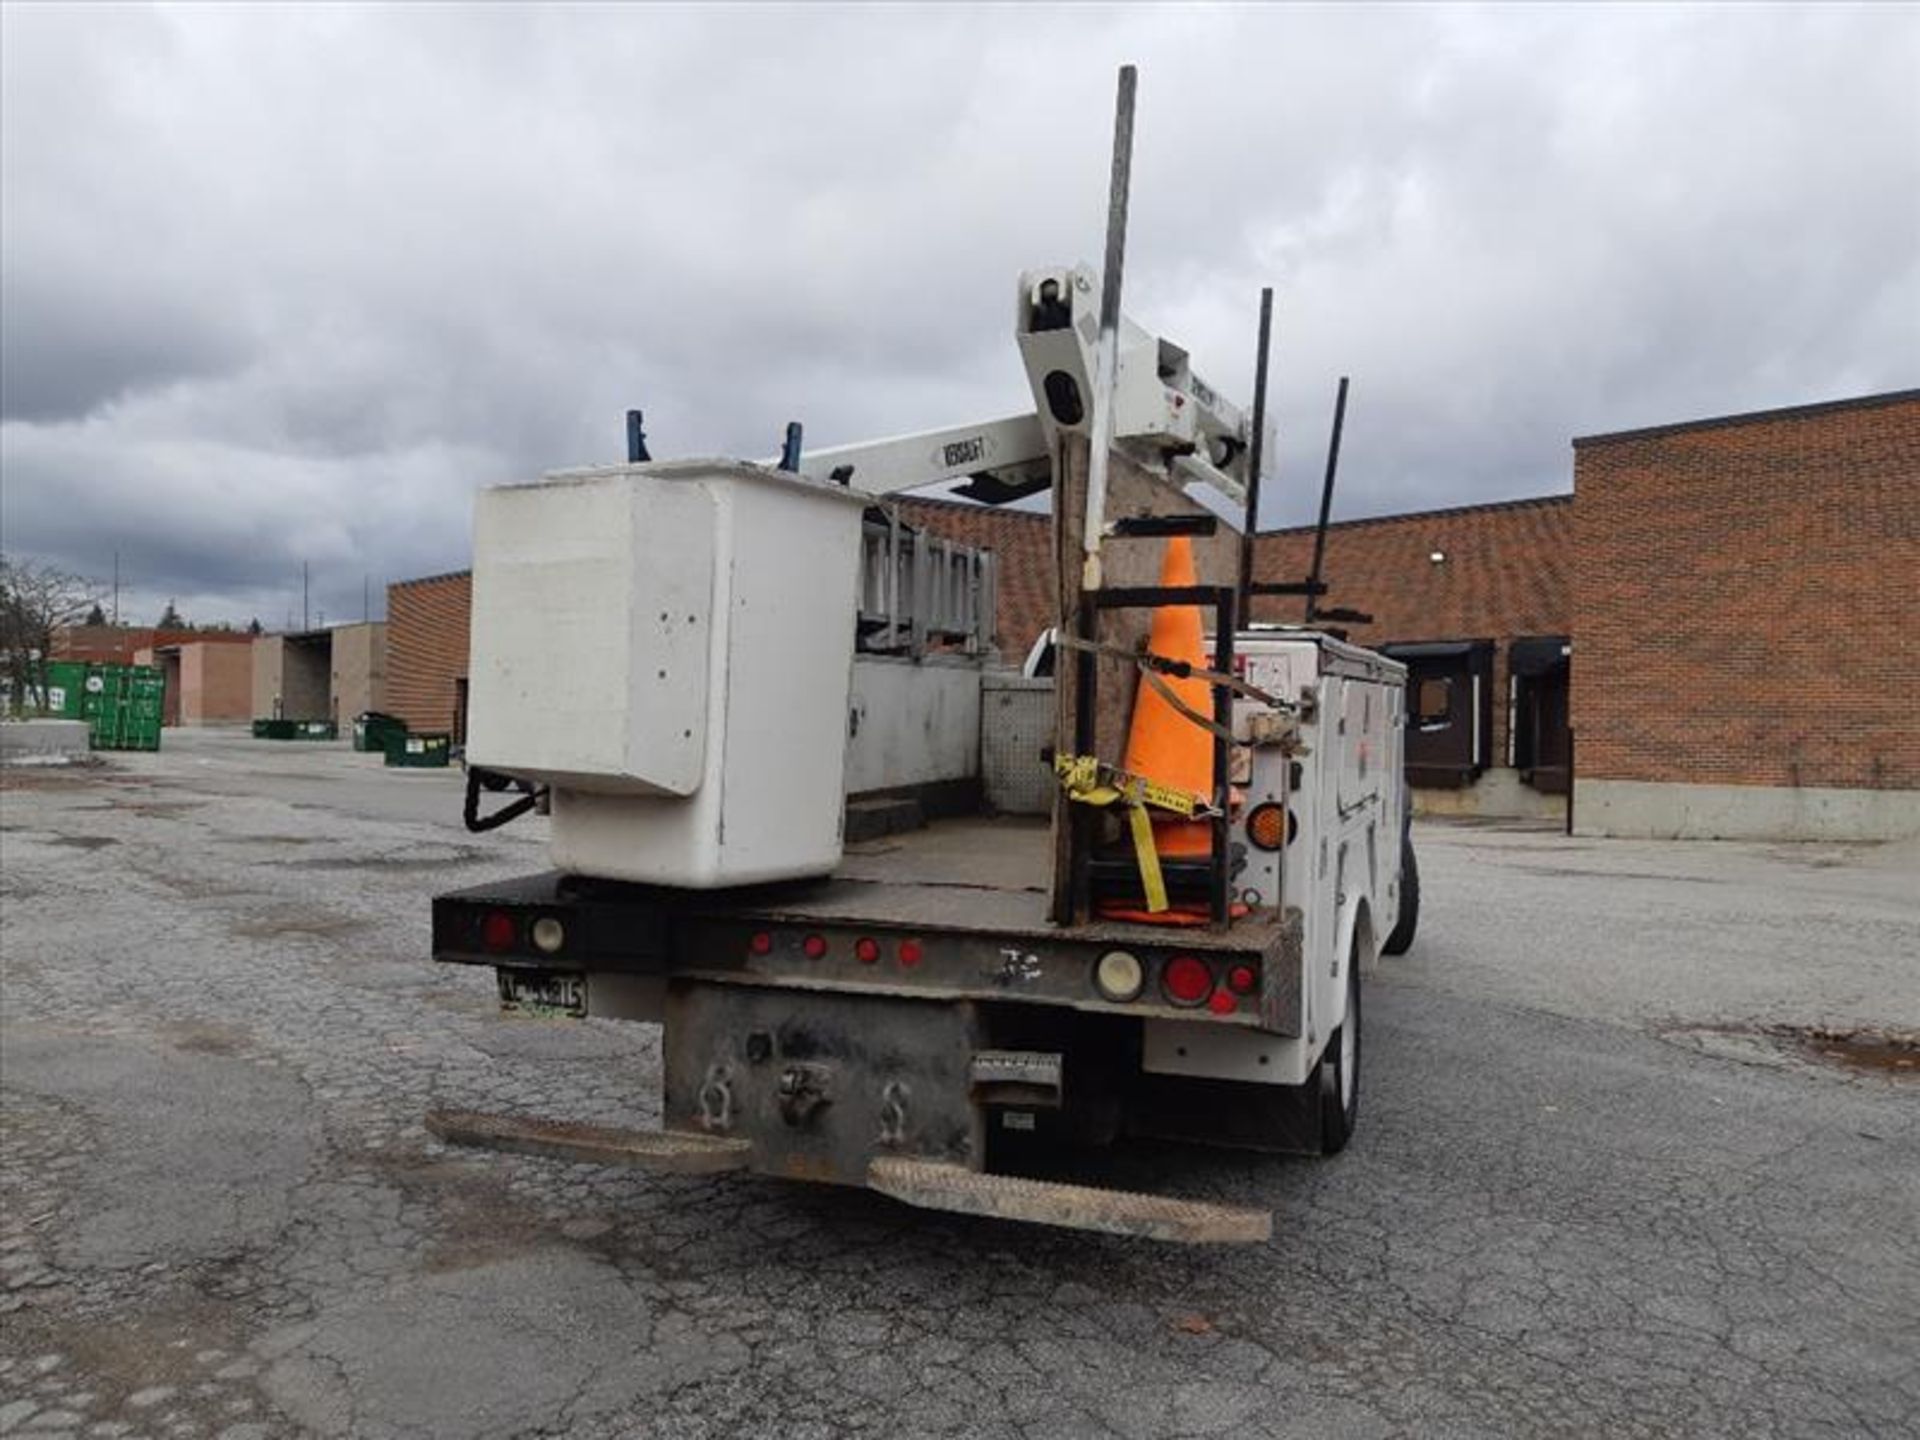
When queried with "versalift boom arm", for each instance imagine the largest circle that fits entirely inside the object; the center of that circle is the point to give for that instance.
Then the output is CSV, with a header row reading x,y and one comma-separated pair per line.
x,y
1160,408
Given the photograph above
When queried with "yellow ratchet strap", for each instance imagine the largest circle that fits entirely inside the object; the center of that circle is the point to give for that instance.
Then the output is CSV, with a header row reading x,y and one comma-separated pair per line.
x,y
1089,782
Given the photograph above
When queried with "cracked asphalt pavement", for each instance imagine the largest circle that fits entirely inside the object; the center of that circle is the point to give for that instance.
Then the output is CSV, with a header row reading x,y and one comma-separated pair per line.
x,y
1593,1190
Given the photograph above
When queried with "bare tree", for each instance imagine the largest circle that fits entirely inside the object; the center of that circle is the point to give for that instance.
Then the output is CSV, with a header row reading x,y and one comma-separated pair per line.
x,y
35,600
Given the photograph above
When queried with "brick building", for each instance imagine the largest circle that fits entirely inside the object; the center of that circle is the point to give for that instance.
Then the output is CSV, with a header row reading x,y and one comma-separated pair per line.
x,y
1717,633
426,661
1474,600
1497,592
1746,593
1021,543
207,682
118,644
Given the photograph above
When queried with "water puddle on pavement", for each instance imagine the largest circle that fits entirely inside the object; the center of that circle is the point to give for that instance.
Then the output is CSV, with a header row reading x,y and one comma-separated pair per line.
x,y
1859,1050
1869,1050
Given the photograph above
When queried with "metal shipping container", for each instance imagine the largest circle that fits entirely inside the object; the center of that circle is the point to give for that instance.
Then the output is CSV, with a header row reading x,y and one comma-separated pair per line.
x,y
64,684
123,706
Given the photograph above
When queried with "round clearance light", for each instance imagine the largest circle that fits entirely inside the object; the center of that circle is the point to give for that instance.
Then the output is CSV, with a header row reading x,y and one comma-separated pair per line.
x,y
1221,1003
866,950
910,953
1119,977
814,946
1242,979
548,934
498,932
1186,980
1267,826
761,943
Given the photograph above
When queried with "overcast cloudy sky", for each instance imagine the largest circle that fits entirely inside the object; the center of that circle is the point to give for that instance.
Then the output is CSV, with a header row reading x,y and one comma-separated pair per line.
x,y
282,284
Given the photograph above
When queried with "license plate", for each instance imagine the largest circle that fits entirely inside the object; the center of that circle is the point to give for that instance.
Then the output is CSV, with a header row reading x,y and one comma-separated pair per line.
x,y
544,990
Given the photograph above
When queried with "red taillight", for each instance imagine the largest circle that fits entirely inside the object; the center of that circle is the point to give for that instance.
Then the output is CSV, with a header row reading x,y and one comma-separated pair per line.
x,y
909,952
1186,980
866,951
814,946
761,943
498,932
1222,1003
1242,979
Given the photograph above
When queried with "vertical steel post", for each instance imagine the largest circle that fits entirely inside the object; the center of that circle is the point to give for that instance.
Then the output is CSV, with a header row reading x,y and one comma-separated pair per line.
x,y
1326,499
1220,873
1106,356
1256,454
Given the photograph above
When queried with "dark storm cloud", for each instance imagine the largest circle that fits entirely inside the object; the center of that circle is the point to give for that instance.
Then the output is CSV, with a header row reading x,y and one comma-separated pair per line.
x,y
284,286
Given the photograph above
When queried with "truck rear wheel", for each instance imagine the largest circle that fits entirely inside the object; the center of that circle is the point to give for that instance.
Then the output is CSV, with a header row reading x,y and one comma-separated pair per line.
x,y
1401,940
1339,1075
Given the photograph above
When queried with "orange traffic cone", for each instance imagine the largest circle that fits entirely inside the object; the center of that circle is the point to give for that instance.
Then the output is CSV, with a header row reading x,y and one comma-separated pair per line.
x,y
1163,745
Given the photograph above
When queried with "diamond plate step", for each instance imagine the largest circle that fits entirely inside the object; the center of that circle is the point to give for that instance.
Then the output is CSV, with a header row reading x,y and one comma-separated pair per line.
x,y
673,1151
932,1185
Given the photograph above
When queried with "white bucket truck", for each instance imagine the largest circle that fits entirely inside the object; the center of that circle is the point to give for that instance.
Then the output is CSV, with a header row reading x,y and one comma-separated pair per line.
x,y
667,650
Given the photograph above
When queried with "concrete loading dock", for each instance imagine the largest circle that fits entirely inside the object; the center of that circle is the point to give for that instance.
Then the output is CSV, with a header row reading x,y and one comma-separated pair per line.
x,y
332,674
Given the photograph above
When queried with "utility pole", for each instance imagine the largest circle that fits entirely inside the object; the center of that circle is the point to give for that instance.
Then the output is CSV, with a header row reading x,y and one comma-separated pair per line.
x,y
303,595
116,589
366,608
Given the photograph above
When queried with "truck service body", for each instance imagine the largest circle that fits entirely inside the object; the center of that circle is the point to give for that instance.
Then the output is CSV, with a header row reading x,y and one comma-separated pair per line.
x,y
919,1006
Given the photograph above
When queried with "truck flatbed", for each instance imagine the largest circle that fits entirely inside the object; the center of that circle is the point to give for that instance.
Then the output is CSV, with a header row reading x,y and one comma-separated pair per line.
x,y
974,874
958,908
985,875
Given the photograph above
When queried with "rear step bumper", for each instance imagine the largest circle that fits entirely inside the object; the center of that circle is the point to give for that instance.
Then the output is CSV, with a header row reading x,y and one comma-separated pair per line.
x,y
926,1184
932,1185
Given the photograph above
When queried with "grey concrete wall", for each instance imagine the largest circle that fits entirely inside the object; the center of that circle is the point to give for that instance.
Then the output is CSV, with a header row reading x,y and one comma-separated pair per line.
x,y
305,681
291,681
1645,810
1499,794
359,678
912,724
1016,724
43,742
269,668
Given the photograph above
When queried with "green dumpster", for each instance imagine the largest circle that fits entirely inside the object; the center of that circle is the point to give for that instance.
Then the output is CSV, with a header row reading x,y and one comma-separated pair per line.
x,y
373,730
273,729
315,730
420,752
65,684
123,706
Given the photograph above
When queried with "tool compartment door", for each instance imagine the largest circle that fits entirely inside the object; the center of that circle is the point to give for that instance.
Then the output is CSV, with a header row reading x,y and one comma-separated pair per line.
x,y
1362,739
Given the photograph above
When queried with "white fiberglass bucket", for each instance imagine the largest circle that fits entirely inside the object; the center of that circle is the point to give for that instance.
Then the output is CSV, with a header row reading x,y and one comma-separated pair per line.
x,y
670,647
